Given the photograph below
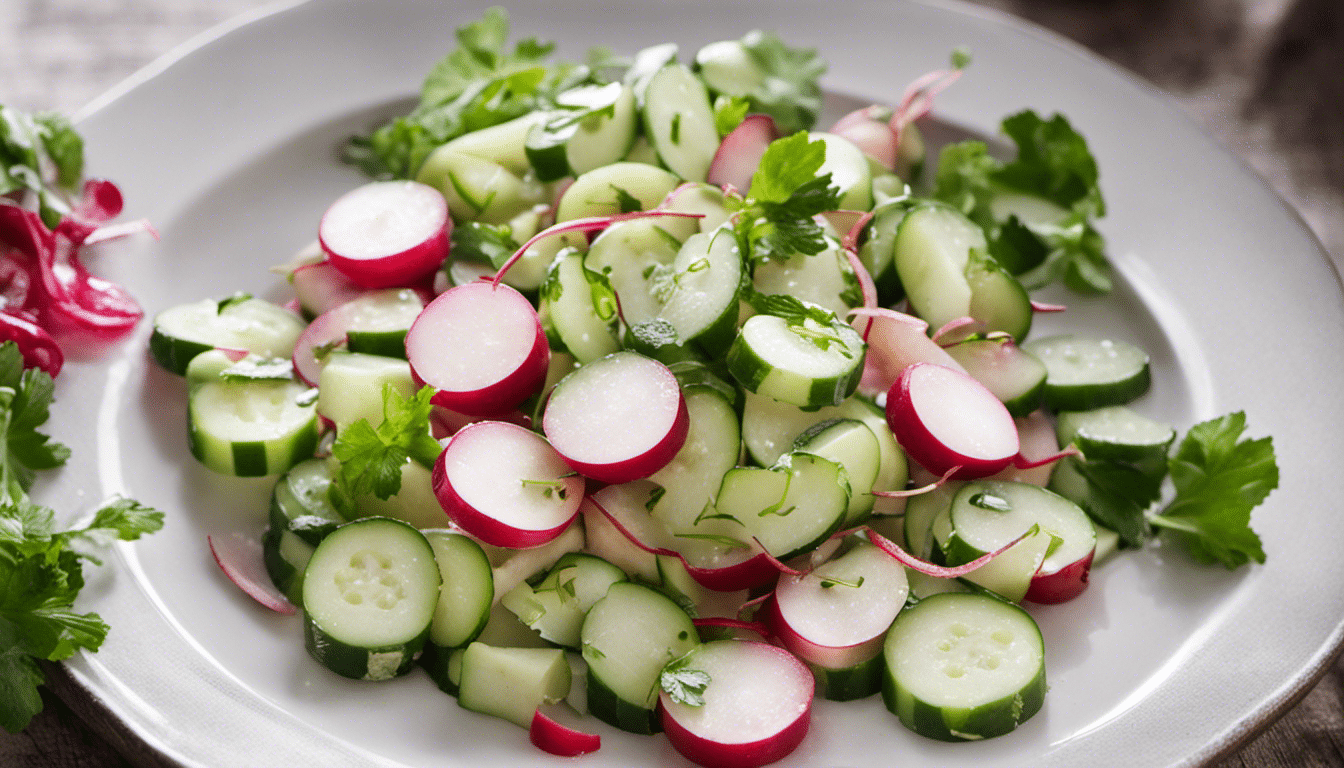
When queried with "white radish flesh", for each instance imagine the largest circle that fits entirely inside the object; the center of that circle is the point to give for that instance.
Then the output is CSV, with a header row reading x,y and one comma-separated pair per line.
x,y
481,346
945,419
321,287
895,341
387,233
240,559
617,419
757,706
506,486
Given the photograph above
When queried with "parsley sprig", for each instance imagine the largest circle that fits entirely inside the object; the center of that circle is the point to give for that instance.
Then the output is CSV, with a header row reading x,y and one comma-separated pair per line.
x,y
41,567
775,220
41,154
372,458
684,684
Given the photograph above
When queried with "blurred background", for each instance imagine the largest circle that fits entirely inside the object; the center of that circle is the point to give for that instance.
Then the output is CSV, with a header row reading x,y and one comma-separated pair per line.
x,y
1264,78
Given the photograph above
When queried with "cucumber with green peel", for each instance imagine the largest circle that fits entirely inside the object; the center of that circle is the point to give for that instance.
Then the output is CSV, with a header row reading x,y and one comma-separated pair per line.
x,y
679,121
478,189
556,605
1012,374
510,683
1008,575
1084,374
252,428
964,667
692,478
377,321
803,362
851,683
728,68
617,188
348,378
627,638
579,306
634,255
852,445
699,292
285,555
893,471
593,126
657,339
986,515
920,512
943,263
444,666
702,198
414,504
369,595
466,592
1117,433
878,252
300,503
790,508
239,322
825,279
505,143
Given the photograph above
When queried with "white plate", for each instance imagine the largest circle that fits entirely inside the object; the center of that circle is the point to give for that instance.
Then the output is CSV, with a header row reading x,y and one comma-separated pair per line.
x,y
229,151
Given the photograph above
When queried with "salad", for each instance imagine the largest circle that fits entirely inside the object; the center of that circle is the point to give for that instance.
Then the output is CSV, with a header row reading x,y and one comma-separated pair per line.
x,y
601,381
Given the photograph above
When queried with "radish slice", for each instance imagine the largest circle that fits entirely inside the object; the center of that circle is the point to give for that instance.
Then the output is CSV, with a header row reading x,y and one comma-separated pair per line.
x,y
895,341
551,736
756,708
837,616
870,131
239,557
481,346
446,423
1061,585
386,233
321,287
331,327
741,151
1036,436
617,419
945,419
506,486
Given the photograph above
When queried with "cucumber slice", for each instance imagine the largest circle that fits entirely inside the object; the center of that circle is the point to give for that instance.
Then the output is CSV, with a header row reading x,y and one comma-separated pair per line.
x,y
1117,433
415,504
1083,374
825,279
466,593
712,446
963,667
300,505
699,294
613,189
921,511
556,606
808,364
849,171
728,68
790,508
479,189
627,638
985,515
851,683
369,595
594,127
378,321
510,683
878,252
504,143
238,322
285,556
578,308
852,445
251,428
1012,374
351,384
679,121
634,256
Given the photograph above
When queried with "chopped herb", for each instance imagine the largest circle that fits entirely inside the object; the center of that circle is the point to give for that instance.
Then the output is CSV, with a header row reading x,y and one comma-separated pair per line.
x,y
683,684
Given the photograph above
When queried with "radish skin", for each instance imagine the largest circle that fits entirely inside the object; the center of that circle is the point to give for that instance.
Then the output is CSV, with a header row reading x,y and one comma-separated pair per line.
x,y
740,152
241,561
481,346
551,736
387,233
945,419
757,706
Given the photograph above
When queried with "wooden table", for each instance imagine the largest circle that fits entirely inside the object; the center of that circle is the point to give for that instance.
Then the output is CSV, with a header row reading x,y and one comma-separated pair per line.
x,y
1265,78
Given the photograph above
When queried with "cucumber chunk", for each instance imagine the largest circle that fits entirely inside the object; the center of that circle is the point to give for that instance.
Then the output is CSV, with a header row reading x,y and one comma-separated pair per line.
x,y
251,428
238,322
963,666
369,595
1083,373
510,683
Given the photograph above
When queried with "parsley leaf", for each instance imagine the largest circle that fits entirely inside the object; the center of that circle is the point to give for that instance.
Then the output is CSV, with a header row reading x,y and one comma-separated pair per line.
x,y
776,219
372,458
729,112
789,92
476,241
1053,161
1219,479
480,84
683,684
40,576
25,400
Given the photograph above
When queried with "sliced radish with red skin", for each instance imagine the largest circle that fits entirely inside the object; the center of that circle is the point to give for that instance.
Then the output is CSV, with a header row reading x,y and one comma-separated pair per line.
x,y
481,346
619,418
1062,585
239,557
387,233
837,616
741,151
871,132
444,422
740,569
895,340
551,736
944,419
322,287
757,706
506,486
1036,436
